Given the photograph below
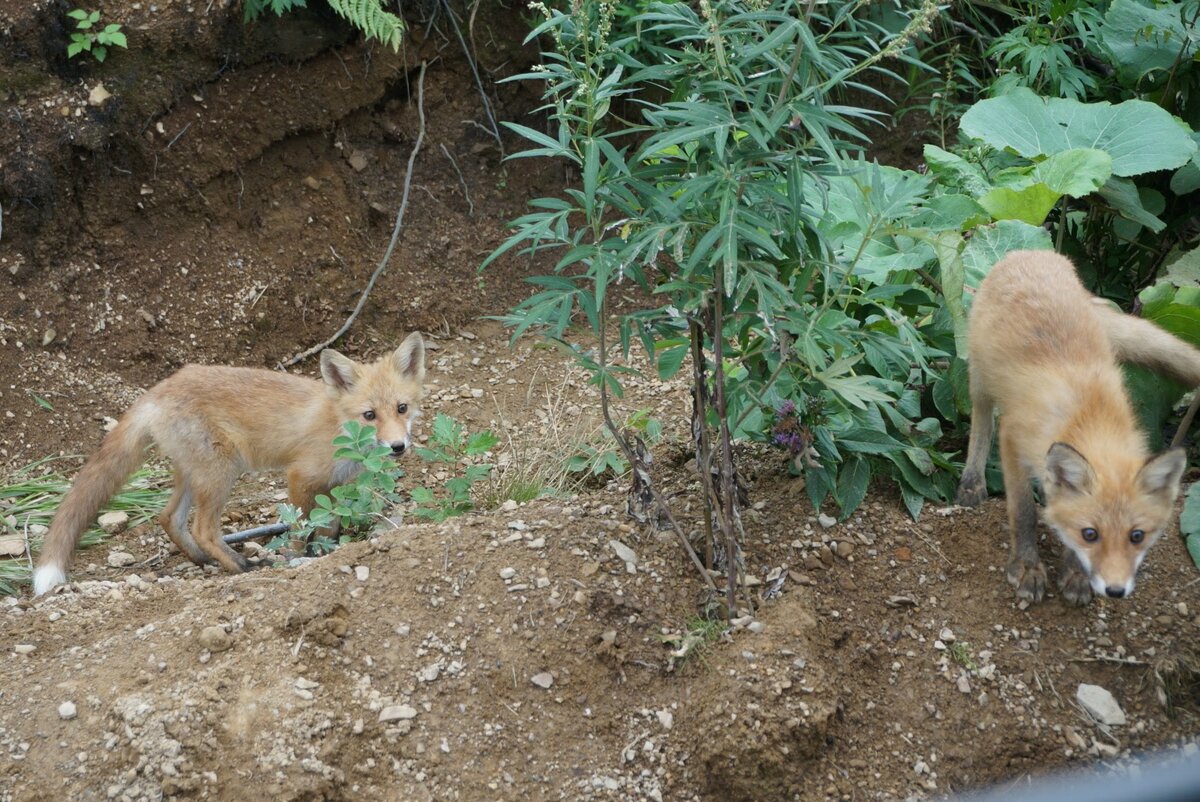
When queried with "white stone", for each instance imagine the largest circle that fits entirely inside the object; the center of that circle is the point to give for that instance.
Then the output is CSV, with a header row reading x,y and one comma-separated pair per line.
x,y
114,522
397,713
623,552
1100,704
120,559
542,680
66,711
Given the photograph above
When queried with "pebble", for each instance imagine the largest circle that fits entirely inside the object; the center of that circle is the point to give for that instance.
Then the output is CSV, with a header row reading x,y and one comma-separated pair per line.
x,y
66,711
826,521
623,552
542,680
361,572
397,713
537,543
120,559
964,684
114,522
24,648
844,549
946,635
508,506
756,627
666,718
508,573
1100,704
215,639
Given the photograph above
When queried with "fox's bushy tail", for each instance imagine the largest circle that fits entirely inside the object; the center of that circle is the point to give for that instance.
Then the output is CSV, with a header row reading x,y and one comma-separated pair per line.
x,y
123,450
1137,340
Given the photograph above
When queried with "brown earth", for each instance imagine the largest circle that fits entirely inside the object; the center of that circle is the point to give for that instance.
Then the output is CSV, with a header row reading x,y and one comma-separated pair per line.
x,y
227,204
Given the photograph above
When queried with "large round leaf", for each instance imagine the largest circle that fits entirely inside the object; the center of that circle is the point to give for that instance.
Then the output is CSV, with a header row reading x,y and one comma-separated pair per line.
x,y
1140,137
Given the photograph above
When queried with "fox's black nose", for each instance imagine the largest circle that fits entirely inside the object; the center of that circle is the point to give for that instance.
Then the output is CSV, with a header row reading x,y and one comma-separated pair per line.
x,y
1115,591
397,448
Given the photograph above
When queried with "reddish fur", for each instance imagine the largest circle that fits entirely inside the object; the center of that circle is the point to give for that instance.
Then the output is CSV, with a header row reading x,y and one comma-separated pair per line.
x,y
1045,353
215,423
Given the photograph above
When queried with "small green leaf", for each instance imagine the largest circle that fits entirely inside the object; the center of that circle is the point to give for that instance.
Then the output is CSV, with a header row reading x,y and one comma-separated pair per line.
x,y
421,495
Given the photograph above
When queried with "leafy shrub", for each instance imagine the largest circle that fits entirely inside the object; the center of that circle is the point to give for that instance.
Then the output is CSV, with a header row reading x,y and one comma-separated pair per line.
x,y
369,16
355,506
87,38
725,201
450,444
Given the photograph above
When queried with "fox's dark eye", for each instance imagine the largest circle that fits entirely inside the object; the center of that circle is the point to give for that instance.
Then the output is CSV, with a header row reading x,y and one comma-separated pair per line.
x,y
402,408
369,415
1136,536
1091,535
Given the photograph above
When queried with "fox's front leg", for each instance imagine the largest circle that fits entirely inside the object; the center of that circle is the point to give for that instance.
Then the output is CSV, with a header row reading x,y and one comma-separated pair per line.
x,y
303,489
1074,582
1025,569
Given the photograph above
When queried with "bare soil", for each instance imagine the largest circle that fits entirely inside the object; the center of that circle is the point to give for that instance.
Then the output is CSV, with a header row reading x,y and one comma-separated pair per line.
x,y
226,205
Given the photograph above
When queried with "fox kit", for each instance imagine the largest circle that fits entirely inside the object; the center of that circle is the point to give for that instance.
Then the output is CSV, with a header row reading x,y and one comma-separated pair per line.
x,y
1045,352
215,423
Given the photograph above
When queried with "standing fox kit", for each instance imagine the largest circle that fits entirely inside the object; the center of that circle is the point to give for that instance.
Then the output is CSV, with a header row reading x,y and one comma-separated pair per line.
x,y
1045,352
216,423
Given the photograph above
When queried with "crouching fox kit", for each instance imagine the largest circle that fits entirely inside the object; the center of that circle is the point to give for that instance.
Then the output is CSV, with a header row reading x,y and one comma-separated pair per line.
x,y
1045,351
215,423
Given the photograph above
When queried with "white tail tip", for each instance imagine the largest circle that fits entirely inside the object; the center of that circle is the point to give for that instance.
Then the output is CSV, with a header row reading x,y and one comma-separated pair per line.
x,y
46,578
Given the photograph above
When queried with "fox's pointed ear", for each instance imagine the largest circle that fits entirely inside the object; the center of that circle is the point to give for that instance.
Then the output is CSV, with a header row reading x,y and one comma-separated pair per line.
x,y
1067,471
339,372
409,358
1160,475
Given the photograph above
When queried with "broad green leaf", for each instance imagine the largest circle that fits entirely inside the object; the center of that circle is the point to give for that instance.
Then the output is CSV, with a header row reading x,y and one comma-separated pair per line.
x,y
1181,320
1185,271
421,495
669,361
949,213
853,480
1139,136
1146,38
970,176
990,243
1124,196
1029,204
1189,518
1076,172
1193,548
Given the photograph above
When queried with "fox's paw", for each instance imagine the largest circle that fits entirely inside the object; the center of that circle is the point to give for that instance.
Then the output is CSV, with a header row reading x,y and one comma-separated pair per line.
x,y
1029,579
1075,586
972,490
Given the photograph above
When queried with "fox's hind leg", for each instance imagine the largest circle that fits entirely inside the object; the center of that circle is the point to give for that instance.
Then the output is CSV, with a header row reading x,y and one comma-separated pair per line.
x,y
972,488
1026,572
210,492
174,521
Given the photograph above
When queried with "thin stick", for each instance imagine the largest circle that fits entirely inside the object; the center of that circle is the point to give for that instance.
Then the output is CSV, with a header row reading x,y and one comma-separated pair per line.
x,y
487,105
255,533
462,182
362,300
1186,423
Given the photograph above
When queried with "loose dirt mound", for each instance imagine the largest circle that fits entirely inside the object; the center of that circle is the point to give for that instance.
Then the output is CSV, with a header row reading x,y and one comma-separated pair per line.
x,y
504,655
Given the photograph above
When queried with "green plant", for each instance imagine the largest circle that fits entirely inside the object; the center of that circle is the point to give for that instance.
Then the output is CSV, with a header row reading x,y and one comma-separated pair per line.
x,y
369,16
353,507
1189,522
30,496
450,444
694,641
601,455
961,653
87,38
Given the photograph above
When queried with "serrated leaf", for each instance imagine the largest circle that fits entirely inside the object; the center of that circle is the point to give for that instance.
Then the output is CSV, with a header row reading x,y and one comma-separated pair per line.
x,y
853,480
421,495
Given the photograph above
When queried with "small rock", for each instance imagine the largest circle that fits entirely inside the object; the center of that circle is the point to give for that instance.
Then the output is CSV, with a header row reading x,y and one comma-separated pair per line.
x,y
12,546
508,506
826,521
666,718
120,559
542,680
1100,704
215,639
24,648
397,713
946,635
508,573
66,711
964,684
756,627
1076,740
361,572
844,549
98,95
358,161
537,543
311,182
623,552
